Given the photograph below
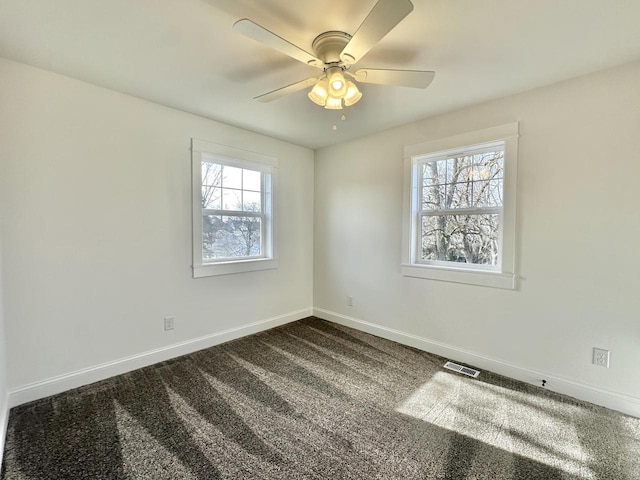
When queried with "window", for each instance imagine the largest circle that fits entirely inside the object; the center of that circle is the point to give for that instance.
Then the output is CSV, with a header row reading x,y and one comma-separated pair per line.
x,y
460,208
232,210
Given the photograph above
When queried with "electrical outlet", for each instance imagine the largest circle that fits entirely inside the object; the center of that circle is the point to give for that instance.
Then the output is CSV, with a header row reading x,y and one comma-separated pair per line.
x,y
350,301
168,323
601,357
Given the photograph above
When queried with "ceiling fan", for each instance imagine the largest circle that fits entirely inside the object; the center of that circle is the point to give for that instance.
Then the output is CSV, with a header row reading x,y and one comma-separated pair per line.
x,y
335,52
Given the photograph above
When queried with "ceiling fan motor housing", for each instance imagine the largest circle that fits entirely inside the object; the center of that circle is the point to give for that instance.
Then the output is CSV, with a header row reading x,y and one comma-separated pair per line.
x,y
329,45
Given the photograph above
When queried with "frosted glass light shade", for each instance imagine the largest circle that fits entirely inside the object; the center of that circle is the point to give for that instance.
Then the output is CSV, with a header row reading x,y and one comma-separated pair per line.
x,y
352,95
320,92
337,83
334,103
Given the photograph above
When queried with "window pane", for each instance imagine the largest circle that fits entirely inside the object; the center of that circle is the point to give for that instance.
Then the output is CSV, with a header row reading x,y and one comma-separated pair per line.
x,y
211,174
488,165
231,177
211,197
211,225
432,245
251,180
459,195
461,238
231,199
229,237
488,193
433,197
434,173
252,201
459,169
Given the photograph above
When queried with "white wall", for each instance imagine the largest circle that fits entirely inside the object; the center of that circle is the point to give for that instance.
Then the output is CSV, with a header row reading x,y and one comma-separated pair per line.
x,y
578,228
4,391
96,228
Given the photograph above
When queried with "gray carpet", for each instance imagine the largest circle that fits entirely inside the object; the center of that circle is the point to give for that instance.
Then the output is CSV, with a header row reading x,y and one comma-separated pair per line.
x,y
314,400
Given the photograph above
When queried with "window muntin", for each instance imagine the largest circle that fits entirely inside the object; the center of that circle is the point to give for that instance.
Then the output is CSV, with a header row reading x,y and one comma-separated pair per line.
x,y
459,211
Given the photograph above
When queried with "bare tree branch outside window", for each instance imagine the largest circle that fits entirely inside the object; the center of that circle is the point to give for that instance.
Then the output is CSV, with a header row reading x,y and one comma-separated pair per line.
x,y
233,212
460,208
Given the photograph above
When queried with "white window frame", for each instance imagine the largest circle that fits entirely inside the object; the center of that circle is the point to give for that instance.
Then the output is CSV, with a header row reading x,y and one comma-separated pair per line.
x,y
499,276
202,151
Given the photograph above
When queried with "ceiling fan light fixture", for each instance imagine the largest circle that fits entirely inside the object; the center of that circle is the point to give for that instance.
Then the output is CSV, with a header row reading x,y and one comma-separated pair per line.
x,y
333,88
320,92
334,103
352,95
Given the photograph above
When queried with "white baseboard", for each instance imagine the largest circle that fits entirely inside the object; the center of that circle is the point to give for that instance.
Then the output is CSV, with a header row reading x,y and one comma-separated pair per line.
x,y
55,385
599,396
4,423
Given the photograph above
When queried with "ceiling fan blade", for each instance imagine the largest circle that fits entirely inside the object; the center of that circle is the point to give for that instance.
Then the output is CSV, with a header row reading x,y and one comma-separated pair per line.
x,y
384,15
281,92
264,36
400,78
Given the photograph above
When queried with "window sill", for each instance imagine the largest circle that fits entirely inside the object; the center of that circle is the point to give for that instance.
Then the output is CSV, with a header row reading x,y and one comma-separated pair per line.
x,y
461,275
240,266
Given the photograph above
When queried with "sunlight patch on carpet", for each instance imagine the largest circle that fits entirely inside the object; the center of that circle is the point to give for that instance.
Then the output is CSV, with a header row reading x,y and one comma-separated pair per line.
x,y
142,455
481,411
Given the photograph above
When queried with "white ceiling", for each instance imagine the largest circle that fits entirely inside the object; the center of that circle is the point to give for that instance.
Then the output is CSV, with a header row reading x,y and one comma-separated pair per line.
x,y
184,53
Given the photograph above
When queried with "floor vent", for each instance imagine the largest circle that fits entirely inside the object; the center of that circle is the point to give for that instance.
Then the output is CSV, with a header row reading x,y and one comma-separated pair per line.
x,y
462,369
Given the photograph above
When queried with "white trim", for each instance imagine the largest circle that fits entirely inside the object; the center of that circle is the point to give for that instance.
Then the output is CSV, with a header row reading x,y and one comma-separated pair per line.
x,y
589,393
227,155
85,376
4,424
232,153
234,266
502,277
462,141
460,275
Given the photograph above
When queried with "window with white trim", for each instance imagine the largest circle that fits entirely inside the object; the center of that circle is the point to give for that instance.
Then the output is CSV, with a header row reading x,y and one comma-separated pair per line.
x,y
460,220
232,210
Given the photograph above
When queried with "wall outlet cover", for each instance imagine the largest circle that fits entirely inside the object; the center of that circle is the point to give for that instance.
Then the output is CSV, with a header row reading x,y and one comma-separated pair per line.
x,y
601,357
